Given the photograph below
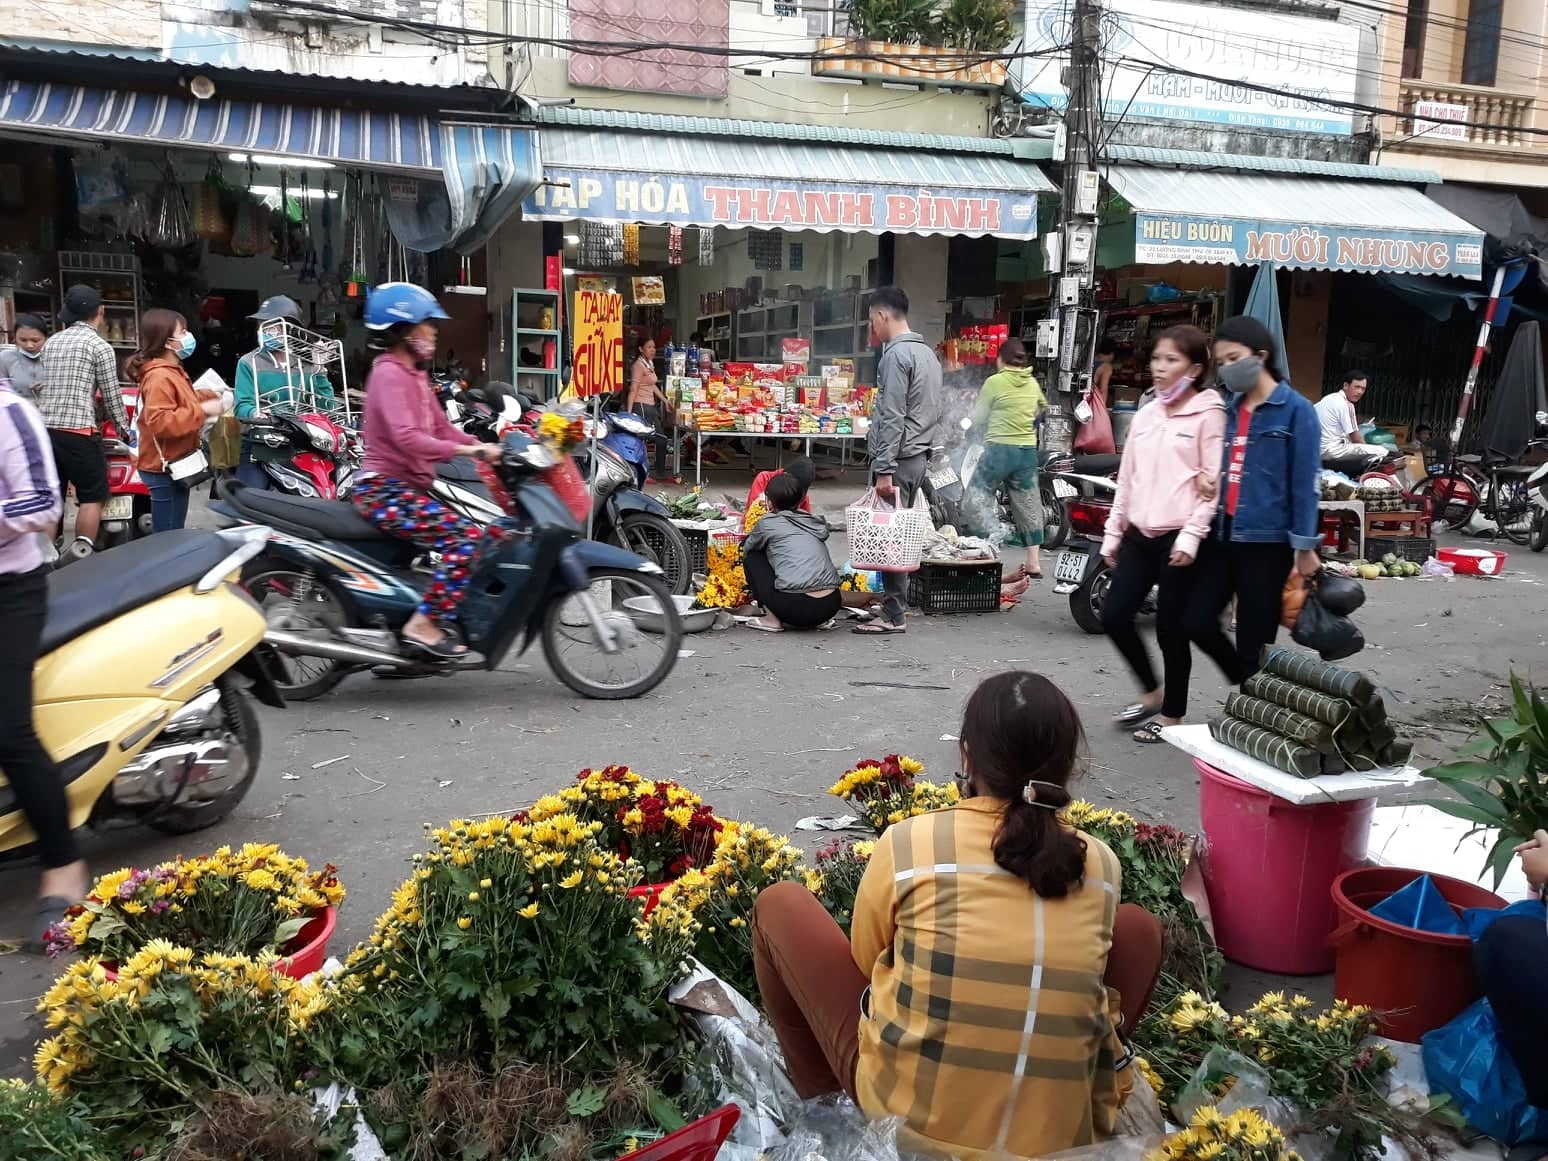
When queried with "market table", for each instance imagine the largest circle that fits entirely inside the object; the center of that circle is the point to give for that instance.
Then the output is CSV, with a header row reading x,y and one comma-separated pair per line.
x,y
808,438
1272,846
1355,506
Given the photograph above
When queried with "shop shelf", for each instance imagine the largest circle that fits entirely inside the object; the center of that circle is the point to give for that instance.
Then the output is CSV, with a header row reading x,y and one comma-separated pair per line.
x,y
537,333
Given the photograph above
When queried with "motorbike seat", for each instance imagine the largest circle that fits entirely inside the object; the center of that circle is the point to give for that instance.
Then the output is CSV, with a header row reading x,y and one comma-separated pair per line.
x,y
93,591
1097,465
459,470
311,519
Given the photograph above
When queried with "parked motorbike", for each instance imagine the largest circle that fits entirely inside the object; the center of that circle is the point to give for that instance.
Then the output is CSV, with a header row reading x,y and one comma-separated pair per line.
x,y
949,479
337,591
309,455
127,514
1080,570
1537,497
151,655
622,513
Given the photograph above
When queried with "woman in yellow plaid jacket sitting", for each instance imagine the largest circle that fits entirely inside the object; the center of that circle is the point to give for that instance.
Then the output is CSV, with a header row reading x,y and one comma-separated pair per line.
x,y
991,965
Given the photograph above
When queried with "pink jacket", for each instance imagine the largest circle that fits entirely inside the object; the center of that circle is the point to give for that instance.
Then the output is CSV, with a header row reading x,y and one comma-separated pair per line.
x,y
406,431
1166,454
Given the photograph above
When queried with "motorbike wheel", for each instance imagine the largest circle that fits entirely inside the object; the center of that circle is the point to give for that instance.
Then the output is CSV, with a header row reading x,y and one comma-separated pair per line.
x,y
1539,535
661,542
273,583
1453,498
568,631
1056,517
1087,600
242,723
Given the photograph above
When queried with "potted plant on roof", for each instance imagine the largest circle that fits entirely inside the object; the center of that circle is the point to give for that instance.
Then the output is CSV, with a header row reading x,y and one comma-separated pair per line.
x,y
884,38
1502,777
976,29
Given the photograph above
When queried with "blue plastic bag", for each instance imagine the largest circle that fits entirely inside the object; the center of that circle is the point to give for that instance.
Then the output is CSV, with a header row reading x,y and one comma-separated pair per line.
x,y
1419,905
1467,1061
1476,920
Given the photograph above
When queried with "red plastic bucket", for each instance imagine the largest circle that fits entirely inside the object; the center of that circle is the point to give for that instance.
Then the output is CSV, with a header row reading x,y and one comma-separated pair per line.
x,y
311,946
1417,980
1268,865
650,892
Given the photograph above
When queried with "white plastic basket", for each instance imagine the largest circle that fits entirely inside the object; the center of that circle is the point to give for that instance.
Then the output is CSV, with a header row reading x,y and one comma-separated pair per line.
x,y
887,539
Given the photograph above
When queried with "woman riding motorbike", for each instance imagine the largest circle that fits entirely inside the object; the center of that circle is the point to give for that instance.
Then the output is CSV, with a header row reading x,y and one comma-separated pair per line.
x,y
406,435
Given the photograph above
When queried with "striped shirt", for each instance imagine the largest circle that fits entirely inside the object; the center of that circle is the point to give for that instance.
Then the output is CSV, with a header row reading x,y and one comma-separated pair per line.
x,y
79,365
29,486
988,1027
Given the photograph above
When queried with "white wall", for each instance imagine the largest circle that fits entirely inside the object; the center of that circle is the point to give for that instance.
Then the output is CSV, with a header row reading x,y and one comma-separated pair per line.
x,y
919,267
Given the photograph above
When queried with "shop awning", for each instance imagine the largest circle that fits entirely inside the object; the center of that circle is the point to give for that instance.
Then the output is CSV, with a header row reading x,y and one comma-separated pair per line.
x,y
486,169
1306,223
680,179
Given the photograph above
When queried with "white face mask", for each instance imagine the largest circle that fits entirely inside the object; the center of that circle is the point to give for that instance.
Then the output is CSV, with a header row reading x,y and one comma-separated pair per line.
x,y
37,354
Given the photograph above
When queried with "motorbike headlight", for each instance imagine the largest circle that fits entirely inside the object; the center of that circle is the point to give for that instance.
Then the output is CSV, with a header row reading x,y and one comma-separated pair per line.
x,y
322,438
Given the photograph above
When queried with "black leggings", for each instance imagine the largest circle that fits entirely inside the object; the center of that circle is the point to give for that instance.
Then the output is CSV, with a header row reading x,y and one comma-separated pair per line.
x,y
1255,575
34,779
1512,962
798,610
1143,562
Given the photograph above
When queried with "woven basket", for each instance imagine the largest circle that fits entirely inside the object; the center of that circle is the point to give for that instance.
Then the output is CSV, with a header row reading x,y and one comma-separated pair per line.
x,y
887,539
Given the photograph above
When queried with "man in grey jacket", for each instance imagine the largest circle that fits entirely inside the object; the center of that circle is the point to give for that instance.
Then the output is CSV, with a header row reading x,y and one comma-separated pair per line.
x,y
905,427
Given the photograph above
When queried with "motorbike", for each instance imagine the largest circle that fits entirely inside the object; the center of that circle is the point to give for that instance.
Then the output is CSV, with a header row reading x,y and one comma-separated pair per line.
x,y
309,455
337,591
151,657
1537,497
1079,570
621,513
949,479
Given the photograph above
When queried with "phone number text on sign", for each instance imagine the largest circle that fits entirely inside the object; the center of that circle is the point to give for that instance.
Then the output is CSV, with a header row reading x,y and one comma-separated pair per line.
x,y
597,368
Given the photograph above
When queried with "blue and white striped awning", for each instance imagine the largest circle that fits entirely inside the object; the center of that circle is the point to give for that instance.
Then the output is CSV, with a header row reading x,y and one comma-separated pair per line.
x,y
486,169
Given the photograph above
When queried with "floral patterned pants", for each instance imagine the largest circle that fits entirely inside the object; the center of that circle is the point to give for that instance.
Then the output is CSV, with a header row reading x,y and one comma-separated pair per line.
x,y
412,514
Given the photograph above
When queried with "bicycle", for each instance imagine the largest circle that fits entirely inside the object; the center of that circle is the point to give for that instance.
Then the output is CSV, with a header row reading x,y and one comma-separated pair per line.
x,y
1485,485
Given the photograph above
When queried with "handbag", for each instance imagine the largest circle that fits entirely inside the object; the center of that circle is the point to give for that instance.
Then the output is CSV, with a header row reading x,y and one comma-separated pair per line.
x,y
190,470
883,538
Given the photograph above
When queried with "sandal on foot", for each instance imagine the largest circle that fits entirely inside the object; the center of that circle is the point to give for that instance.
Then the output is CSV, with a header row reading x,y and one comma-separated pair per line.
x,y
1150,733
754,623
446,649
877,629
50,910
1132,715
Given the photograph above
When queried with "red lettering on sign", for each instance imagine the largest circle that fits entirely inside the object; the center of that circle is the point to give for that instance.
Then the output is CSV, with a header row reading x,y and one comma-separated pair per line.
x,y
786,210
821,209
902,212
719,198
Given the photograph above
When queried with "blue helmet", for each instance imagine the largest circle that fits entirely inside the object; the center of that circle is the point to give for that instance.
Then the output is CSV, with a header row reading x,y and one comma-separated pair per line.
x,y
395,303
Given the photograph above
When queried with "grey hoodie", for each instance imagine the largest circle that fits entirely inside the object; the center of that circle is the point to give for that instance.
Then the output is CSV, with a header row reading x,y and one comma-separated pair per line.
x,y
794,543
907,418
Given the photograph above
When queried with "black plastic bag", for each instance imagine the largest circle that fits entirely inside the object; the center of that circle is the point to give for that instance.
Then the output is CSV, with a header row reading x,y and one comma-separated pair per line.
x,y
1340,595
1332,636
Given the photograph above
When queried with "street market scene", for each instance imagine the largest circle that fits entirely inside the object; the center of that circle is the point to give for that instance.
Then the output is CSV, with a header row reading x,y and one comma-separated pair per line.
x,y
419,421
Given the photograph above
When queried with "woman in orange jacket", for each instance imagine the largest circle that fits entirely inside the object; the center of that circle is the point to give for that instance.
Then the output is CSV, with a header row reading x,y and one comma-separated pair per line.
x,y
171,414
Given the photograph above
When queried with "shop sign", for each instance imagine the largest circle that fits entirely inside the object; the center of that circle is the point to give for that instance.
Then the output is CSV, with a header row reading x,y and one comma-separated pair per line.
x,y
1439,121
600,195
597,367
1164,238
1289,61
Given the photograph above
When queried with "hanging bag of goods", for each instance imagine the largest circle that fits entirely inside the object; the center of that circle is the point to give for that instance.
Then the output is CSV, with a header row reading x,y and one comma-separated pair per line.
x,y
208,208
170,227
883,538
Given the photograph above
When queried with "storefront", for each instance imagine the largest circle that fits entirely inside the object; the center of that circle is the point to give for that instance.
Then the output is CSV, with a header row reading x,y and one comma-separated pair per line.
x,y
210,206
758,244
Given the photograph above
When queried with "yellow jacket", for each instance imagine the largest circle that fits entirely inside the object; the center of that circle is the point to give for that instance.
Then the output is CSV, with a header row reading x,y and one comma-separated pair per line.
x,y
988,1027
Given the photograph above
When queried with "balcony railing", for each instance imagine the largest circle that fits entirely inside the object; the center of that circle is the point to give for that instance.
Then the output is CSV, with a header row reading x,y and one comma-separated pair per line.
x,y
1486,118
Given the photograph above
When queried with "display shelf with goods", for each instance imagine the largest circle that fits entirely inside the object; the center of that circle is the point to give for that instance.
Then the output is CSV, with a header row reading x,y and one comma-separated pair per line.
x,y
19,300
761,329
536,339
1130,327
717,332
116,277
841,329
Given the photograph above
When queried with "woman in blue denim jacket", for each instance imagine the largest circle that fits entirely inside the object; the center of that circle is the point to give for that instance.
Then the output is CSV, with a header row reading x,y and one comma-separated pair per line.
x,y
1267,521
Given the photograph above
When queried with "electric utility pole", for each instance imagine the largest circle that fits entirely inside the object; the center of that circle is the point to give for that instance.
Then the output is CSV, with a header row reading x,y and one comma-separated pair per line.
x,y
1072,317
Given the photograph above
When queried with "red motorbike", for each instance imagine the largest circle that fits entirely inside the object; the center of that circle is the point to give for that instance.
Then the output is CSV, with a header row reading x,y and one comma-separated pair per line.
x,y
309,455
127,514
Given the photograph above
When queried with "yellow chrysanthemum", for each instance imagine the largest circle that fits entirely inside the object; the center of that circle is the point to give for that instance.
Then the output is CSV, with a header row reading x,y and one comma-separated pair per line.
x,y
530,911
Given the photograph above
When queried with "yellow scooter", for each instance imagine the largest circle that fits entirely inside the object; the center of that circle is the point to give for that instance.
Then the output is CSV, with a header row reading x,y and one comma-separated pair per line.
x,y
136,691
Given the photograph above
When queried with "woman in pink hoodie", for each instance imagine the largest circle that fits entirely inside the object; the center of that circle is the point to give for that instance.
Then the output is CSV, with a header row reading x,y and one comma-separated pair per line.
x,y
1159,516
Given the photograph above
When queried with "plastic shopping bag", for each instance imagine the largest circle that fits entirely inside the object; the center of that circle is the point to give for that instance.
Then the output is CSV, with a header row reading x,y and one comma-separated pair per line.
x,y
1467,1061
1332,636
884,538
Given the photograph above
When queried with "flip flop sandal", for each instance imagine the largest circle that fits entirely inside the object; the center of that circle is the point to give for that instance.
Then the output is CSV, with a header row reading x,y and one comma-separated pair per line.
x,y
446,649
877,629
1149,734
50,910
1132,715
1008,602
762,628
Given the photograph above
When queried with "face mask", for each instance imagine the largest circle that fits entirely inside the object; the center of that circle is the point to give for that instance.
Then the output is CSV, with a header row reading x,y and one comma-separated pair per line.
x,y
186,344
37,354
1176,391
1241,375
271,342
424,349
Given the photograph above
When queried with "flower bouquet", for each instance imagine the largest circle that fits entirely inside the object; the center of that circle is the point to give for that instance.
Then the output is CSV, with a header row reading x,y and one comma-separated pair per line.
x,y
748,860
560,430
663,827
1215,1136
254,901
887,791
726,585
